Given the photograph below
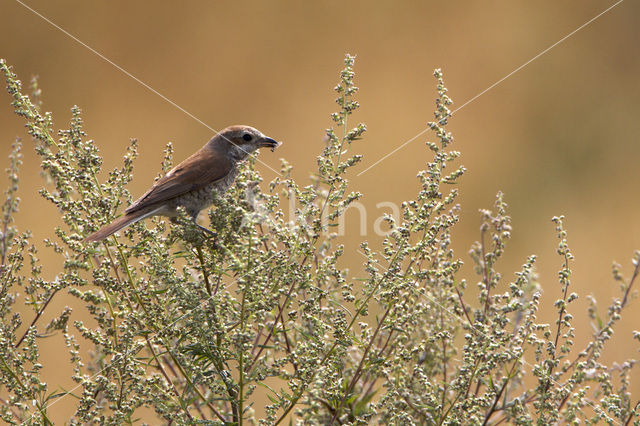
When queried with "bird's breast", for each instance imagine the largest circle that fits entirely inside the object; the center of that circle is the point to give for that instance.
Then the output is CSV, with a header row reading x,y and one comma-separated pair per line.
x,y
201,198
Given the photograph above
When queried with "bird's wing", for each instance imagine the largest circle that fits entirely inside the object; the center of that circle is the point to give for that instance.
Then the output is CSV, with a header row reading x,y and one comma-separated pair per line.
x,y
202,168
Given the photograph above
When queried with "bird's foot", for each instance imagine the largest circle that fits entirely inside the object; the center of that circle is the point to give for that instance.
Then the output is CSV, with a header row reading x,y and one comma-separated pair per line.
x,y
207,231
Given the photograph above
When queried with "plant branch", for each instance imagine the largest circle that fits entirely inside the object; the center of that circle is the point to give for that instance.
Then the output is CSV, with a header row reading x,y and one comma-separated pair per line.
x,y
37,317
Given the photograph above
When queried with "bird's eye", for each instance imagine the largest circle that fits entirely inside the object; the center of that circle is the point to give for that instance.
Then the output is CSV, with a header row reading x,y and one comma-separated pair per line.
x,y
246,137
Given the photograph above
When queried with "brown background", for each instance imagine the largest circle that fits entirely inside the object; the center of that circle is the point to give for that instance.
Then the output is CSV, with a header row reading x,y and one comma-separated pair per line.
x,y
558,137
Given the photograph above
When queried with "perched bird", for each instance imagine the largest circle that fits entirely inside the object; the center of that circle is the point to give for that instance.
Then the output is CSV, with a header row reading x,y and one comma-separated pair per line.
x,y
191,183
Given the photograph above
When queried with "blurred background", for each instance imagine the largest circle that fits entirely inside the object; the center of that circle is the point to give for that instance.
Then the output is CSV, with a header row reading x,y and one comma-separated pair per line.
x,y
560,136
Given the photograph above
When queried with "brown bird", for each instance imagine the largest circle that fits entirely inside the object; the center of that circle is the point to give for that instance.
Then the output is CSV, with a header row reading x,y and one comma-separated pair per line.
x,y
191,183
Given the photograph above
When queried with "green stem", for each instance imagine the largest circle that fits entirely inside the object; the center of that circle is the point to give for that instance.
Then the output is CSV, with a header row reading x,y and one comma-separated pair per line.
x,y
459,394
187,377
241,349
39,406
356,375
166,376
165,344
335,343
205,274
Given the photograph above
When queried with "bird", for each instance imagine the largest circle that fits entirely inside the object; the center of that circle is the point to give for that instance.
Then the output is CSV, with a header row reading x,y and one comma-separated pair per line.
x,y
191,183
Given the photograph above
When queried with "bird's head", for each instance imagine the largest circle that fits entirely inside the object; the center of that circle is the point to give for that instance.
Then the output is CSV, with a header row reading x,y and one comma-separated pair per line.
x,y
240,141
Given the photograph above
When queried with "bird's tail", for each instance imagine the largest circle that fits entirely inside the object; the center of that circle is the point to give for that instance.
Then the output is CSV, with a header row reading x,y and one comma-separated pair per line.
x,y
125,220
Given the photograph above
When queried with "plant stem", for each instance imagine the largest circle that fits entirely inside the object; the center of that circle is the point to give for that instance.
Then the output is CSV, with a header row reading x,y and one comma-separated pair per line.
x,y
499,394
241,340
205,274
358,371
166,376
37,317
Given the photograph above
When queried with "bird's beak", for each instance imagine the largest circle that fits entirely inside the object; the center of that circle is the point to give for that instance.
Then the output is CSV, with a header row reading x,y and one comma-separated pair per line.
x,y
269,143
